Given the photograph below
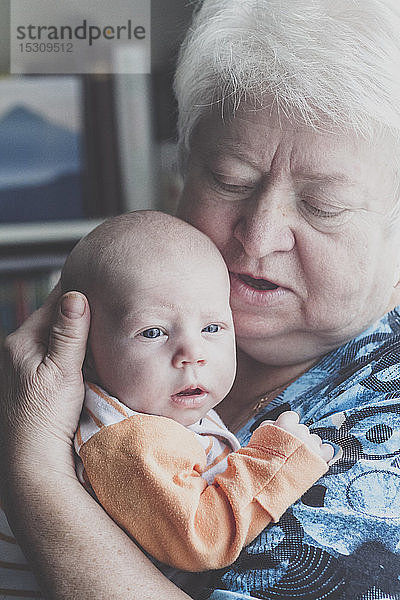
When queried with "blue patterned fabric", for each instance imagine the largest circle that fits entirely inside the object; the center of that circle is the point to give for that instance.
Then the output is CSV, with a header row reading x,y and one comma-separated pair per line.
x,y
341,540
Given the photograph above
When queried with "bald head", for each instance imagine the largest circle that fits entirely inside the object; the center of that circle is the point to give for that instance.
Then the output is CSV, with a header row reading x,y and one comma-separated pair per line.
x,y
133,244
161,323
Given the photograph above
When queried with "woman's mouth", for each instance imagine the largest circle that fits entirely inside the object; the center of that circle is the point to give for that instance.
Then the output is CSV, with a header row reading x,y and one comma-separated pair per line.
x,y
258,284
248,290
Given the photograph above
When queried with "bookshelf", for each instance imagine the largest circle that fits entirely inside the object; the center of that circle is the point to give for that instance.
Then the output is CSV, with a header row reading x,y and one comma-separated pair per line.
x,y
20,294
31,258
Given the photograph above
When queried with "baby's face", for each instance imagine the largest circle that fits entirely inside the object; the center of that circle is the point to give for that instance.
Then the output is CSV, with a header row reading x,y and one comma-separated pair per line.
x,y
164,345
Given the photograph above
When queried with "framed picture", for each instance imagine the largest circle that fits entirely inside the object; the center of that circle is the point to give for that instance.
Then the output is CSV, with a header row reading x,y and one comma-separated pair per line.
x,y
41,145
52,165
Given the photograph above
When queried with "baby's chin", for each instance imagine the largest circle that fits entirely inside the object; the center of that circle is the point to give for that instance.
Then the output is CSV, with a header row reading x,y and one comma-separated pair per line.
x,y
188,420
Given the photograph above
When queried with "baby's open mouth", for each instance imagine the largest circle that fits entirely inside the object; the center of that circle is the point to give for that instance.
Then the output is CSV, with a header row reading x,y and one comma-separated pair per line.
x,y
258,284
190,397
190,392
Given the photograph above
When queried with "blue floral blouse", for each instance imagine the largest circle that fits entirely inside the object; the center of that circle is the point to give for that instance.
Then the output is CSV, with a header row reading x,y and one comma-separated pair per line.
x,y
341,540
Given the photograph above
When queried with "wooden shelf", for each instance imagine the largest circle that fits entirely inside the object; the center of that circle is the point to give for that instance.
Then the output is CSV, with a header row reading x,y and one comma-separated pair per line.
x,y
45,233
31,264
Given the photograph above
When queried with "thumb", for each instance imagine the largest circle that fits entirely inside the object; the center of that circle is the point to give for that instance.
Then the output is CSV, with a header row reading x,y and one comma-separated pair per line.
x,y
69,333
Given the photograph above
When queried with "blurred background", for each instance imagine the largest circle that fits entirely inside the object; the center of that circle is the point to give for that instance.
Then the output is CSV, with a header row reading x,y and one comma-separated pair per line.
x,y
75,149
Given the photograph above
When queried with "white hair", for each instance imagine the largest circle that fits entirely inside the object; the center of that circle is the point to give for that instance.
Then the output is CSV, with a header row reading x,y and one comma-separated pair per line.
x,y
329,64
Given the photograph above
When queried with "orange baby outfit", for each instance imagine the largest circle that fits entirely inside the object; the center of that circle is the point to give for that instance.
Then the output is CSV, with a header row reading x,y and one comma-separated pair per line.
x,y
147,472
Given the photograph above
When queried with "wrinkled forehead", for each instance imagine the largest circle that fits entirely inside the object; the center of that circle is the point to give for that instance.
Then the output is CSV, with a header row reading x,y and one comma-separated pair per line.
x,y
258,134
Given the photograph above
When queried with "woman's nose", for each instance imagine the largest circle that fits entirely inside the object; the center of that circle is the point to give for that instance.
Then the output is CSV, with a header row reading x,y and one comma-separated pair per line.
x,y
188,354
263,226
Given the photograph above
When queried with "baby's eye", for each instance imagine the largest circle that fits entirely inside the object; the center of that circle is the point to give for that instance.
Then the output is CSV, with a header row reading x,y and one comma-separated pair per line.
x,y
213,328
152,333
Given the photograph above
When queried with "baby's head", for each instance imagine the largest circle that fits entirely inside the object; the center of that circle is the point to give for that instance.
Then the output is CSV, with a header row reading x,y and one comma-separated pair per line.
x,y
161,337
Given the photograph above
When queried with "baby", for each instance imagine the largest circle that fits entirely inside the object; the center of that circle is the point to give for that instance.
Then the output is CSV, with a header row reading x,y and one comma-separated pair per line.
x,y
161,355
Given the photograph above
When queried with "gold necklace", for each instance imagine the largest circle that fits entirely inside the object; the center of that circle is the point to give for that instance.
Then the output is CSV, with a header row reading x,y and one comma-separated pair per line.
x,y
253,408
266,398
261,401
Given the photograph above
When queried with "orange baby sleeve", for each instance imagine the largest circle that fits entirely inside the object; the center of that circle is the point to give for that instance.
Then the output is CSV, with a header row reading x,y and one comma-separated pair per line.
x,y
146,472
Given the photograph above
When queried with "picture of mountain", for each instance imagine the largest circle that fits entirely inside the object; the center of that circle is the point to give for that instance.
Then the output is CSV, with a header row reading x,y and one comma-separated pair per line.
x,y
40,168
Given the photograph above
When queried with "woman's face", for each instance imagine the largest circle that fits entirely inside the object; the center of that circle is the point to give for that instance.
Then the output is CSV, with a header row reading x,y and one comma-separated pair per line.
x,y
301,219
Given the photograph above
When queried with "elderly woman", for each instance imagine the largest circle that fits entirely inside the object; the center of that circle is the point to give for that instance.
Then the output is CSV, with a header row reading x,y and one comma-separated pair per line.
x,y
290,131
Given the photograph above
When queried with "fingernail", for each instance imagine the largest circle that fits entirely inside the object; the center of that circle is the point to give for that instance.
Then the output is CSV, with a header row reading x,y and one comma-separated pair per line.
x,y
72,306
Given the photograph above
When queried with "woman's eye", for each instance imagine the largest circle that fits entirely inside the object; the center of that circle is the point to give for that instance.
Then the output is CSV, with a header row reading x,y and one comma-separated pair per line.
x,y
152,333
234,188
320,213
213,328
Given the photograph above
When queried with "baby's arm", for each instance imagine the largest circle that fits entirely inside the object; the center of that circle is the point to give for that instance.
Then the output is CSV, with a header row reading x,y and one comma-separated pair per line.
x,y
146,472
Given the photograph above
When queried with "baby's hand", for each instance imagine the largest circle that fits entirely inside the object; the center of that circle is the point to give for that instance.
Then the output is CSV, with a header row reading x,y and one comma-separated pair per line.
x,y
289,421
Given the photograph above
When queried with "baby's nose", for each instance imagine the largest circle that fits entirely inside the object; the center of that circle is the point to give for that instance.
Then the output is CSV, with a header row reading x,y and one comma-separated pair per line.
x,y
188,355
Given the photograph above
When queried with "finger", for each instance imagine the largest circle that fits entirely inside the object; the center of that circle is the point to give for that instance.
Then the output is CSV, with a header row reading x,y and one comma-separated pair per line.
x,y
68,334
327,452
289,418
301,431
315,440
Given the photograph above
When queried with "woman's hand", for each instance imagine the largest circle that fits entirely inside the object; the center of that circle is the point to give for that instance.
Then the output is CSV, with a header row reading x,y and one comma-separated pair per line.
x,y
76,550
41,386
289,421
